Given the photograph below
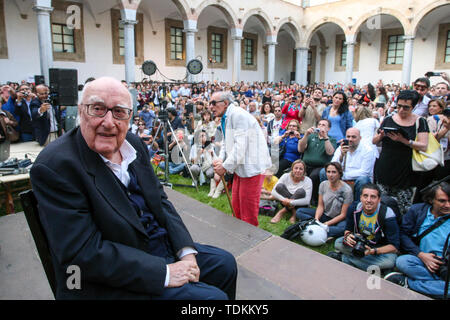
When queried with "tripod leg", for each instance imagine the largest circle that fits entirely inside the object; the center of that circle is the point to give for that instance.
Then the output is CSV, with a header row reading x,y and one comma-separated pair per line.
x,y
184,158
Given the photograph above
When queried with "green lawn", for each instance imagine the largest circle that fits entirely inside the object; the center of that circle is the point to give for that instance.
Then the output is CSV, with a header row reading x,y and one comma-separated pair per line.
x,y
222,204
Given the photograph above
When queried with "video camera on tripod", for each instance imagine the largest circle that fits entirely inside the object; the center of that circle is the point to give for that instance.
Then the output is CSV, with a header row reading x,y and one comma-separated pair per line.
x,y
149,68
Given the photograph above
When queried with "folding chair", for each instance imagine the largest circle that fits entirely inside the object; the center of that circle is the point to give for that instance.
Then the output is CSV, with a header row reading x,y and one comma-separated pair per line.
x,y
30,207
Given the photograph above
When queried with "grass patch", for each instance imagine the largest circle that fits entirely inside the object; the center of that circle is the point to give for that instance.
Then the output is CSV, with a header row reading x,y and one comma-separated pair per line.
x,y
221,204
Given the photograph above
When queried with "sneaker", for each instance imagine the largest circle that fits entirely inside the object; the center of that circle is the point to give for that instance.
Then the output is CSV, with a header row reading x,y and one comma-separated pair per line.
x,y
398,278
335,255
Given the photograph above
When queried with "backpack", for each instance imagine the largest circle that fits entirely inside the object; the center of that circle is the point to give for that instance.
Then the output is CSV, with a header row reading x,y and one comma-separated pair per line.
x,y
293,232
391,203
267,207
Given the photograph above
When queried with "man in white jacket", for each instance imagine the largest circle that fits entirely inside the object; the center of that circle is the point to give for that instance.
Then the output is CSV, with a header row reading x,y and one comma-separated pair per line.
x,y
244,152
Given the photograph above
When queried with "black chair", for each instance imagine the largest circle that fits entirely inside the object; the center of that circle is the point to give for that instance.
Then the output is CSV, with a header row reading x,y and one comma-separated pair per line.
x,y
30,207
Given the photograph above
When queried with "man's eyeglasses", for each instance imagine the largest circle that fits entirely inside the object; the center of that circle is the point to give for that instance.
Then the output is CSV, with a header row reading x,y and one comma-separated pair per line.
x,y
100,110
404,107
214,102
420,87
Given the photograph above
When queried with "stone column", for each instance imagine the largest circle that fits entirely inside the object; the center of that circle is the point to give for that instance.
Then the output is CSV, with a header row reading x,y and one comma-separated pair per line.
x,y
301,70
349,63
271,43
407,59
45,38
236,36
323,63
130,54
190,28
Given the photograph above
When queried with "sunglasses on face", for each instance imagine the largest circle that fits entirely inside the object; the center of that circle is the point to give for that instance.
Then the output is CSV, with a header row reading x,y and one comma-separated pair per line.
x,y
404,107
420,87
214,102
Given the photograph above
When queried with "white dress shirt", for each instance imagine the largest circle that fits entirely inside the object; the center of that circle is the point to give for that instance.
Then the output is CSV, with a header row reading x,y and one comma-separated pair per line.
x,y
358,163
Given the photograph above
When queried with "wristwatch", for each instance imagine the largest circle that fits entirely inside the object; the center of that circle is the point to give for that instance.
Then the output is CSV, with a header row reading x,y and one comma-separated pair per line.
x,y
411,143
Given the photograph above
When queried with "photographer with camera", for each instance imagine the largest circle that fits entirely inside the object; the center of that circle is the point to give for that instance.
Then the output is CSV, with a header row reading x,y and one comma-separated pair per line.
x,y
423,233
176,164
22,108
371,236
318,150
46,118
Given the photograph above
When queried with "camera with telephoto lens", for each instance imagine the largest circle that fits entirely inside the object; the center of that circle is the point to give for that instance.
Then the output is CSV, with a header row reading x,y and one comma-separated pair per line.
x,y
359,248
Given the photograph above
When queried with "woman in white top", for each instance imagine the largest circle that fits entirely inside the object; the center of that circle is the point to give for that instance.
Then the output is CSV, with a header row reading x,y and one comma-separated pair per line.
x,y
367,126
293,190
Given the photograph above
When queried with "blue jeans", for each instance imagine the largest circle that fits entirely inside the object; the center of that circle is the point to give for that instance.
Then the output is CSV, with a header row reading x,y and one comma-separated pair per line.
x,y
383,261
25,137
419,278
173,168
359,183
333,231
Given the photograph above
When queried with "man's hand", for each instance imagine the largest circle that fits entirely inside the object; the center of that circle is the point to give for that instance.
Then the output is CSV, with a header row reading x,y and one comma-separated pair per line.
x,y
196,270
182,272
349,239
323,134
44,107
430,260
344,150
218,167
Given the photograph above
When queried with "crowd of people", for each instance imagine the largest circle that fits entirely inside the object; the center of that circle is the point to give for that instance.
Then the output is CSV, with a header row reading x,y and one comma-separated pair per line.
x,y
336,151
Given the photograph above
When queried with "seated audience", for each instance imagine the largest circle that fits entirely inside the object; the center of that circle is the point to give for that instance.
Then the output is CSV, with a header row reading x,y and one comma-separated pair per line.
x,y
357,160
423,233
335,196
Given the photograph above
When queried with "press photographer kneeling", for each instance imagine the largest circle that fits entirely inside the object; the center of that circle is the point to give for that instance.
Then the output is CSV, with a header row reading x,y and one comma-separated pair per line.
x,y
371,236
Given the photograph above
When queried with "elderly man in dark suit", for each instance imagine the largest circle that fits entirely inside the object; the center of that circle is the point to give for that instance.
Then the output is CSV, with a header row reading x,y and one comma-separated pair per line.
x,y
104,210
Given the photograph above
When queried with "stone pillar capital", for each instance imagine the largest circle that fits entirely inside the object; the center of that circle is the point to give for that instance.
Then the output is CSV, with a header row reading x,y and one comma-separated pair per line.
x,y
350,43
236,33
42,10
128,22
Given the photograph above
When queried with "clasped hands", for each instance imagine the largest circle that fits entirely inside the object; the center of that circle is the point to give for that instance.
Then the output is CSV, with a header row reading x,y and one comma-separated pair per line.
x,y
184,271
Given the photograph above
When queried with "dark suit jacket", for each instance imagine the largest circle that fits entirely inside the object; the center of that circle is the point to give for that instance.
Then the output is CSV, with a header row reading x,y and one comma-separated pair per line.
x,y
25,123
90,222
42,123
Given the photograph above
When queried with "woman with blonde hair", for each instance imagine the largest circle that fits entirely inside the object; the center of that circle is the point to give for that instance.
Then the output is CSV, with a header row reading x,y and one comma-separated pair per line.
x,y
293,190
367,125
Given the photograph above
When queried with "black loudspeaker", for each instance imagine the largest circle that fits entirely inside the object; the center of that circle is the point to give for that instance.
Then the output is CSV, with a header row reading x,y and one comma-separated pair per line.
x,y
292,76
39,80
64,86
